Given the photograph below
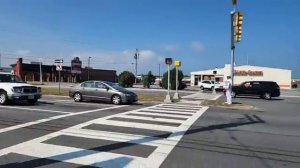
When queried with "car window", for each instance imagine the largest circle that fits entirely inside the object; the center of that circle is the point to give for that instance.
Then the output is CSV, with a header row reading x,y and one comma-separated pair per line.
x,y
255,84
247,85
88,85
100,85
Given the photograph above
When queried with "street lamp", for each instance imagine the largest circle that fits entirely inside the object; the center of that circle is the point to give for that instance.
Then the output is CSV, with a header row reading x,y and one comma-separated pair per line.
x,y
89,61
136,57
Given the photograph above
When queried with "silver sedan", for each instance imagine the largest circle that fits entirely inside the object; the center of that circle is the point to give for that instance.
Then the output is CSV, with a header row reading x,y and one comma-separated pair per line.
x,y
103,91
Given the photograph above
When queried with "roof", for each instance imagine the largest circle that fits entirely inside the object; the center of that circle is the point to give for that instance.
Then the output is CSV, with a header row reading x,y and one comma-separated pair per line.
x,y
227,66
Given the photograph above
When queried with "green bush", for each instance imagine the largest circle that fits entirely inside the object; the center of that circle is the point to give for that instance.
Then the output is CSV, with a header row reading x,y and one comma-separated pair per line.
x,y
126,79
172,78
148,79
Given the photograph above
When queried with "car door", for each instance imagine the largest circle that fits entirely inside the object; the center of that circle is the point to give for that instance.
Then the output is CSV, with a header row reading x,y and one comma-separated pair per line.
x,y
246,88
102,91
256,88
88,88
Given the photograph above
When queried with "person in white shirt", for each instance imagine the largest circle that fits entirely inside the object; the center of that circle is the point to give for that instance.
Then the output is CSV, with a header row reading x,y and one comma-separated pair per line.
x,y
228,89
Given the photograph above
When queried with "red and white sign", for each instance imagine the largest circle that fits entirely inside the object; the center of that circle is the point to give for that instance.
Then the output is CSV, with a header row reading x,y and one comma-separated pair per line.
x,y
59,67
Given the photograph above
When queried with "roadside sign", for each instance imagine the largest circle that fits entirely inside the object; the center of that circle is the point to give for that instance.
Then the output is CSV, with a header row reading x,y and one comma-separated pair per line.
x,y
168,61
59,67
177,63
57,61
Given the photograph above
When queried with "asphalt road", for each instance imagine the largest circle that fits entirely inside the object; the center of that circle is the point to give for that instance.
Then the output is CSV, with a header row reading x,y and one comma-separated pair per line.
x,y
268,137
61,133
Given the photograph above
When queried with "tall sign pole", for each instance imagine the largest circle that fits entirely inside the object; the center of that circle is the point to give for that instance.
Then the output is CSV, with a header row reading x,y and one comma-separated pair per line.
x,y
177,65
59,65
168,97
232,47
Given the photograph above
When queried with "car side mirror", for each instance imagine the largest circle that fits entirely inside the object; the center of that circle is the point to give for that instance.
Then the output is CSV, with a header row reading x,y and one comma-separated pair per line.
x,y
107,88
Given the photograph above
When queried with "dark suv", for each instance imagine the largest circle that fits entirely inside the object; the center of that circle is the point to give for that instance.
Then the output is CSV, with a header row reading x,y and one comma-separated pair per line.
x,y
264,89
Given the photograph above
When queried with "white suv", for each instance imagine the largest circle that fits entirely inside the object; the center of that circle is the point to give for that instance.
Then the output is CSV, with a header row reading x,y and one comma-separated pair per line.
x,y
13,88
209,84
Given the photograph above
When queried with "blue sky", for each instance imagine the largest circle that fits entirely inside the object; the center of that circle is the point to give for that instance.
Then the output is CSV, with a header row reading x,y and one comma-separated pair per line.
x,y
197,32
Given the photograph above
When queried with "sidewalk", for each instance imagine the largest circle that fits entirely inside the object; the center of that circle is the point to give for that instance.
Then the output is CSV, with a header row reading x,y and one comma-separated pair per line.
x,y
198,97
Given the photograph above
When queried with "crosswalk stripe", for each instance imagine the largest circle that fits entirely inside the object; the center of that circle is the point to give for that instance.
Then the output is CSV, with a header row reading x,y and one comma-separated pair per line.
x,y
152,119
168,111
171,109
160,114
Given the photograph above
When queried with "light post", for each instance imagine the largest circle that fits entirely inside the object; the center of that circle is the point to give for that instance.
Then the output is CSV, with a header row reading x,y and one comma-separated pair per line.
x,y
41,75
168,97
236,21
214,89
177,65
89,61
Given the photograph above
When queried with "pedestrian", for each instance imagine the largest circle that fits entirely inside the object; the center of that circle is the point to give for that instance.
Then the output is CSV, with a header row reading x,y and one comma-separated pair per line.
x,y
228,90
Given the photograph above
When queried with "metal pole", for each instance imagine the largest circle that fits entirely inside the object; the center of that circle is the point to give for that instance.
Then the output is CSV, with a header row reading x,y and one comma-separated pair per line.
x,y
232,45
89,68
41,75
58,82
169,80
159,71
176,96
136,58
0,58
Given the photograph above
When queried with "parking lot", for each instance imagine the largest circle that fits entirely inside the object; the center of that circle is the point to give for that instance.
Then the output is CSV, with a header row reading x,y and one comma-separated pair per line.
x,y
57,132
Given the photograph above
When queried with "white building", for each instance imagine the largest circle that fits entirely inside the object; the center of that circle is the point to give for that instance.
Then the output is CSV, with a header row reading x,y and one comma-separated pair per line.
x,y
243,73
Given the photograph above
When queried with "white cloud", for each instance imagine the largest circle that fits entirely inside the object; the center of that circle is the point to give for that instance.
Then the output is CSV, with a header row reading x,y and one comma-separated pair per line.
x,y
197,46
170,47
120,61
23,52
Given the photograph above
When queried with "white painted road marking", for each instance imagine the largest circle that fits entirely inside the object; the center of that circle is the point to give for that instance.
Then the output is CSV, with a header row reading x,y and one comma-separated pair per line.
x,y
32,109
164,146
54,118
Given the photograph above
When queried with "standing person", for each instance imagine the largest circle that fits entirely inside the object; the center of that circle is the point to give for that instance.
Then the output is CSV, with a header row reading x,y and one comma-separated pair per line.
x,y
228,89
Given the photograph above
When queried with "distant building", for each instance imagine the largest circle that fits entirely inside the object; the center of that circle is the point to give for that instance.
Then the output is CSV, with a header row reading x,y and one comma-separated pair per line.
x,y
5,69
243,73
31,72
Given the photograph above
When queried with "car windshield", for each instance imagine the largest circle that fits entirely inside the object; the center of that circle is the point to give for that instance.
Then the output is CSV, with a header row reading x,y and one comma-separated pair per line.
x,y
7,78
116,86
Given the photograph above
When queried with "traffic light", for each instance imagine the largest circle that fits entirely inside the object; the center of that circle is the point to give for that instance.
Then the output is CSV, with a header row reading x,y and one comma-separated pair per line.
x,y
238,26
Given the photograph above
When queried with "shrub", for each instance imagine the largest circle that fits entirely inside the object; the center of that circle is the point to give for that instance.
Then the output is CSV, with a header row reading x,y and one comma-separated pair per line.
x,y
148,79
126,79
172,78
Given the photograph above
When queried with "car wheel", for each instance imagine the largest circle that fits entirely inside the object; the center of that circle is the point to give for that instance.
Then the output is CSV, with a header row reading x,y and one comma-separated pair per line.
x,y
267,96
32,101
233,94
116,99
77,97
3,98
201,87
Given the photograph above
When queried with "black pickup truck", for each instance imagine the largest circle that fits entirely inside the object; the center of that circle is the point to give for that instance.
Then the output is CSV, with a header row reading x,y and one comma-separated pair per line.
x,y
264,89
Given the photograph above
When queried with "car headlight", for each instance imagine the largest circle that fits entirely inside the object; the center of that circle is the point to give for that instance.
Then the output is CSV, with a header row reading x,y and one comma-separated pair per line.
x,y
17,90
39,89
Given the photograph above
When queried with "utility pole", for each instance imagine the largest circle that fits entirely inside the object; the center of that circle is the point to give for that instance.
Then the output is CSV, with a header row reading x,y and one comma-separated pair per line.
x,y
136,57
0,58
232,47
89,61
41,75
159,71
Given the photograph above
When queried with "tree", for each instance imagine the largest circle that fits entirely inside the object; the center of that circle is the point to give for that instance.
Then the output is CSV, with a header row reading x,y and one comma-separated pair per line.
x,y
148,79
126,79
172,78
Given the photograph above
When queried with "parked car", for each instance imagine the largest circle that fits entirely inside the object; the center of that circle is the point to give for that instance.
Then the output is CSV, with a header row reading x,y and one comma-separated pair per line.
x,y
102,90
12,88
209,84
264,89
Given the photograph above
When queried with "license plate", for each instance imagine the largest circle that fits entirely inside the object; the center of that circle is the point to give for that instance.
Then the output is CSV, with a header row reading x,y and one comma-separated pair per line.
x,y
30,97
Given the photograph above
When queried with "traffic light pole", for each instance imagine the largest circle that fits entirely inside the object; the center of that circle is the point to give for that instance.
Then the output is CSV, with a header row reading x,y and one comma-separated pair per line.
x,y
232,14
